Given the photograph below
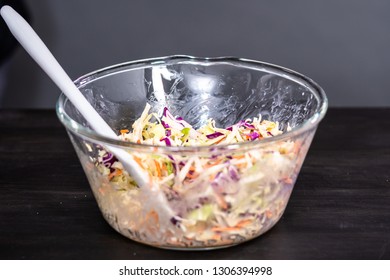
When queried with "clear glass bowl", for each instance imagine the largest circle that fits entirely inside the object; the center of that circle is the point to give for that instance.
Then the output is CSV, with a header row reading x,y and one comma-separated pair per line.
x,y
219,210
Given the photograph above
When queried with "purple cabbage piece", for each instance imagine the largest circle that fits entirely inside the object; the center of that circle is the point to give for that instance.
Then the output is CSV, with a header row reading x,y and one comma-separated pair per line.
x,y
168,132
174,221
242,123
233,173
214,135
108,160
179,120
167,141
165,111
248,125
203,200
165,125
226,182
254,135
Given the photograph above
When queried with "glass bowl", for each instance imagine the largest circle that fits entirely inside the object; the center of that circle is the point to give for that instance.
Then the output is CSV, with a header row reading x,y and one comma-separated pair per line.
x,y
241,189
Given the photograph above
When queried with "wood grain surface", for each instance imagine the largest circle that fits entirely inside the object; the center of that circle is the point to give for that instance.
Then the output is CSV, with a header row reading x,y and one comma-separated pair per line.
x,y
339,209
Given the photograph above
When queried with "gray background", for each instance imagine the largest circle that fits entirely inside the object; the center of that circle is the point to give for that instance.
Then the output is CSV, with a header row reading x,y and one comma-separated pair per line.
x,y
343,45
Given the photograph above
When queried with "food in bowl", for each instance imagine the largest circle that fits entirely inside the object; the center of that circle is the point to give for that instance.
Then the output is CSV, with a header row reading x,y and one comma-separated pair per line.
x,y
222,141
217,200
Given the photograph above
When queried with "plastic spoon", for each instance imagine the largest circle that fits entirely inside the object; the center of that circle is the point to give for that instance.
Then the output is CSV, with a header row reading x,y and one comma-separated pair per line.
x,y
31,42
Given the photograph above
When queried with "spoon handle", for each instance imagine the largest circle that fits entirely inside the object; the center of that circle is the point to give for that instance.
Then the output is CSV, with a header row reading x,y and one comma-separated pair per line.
x,y
45,59
31,42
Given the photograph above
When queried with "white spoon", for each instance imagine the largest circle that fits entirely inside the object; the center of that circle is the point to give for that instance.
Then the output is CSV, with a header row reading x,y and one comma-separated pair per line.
x,y
31,42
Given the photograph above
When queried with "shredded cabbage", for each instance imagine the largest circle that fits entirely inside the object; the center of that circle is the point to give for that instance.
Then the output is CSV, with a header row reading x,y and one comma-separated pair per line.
x,y
219,199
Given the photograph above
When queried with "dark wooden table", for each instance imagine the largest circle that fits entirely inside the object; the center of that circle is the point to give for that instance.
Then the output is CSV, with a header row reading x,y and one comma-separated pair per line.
x,y
339,209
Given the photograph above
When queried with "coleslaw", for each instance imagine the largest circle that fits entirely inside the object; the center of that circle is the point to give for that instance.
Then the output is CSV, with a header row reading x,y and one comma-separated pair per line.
x,y
219,198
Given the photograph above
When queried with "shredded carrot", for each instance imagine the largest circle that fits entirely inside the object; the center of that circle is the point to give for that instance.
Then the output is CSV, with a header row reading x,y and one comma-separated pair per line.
x,y
216,237
220,140
123,131
241,165
225,228
207,165
153,216
268,213
221,201
287,180
158,168
238,226
239,156
138,160
164,167
192,175
244,223
116,172
297,147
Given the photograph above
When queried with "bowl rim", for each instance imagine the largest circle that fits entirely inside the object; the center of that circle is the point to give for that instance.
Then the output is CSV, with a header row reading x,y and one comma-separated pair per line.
x,y
91,135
